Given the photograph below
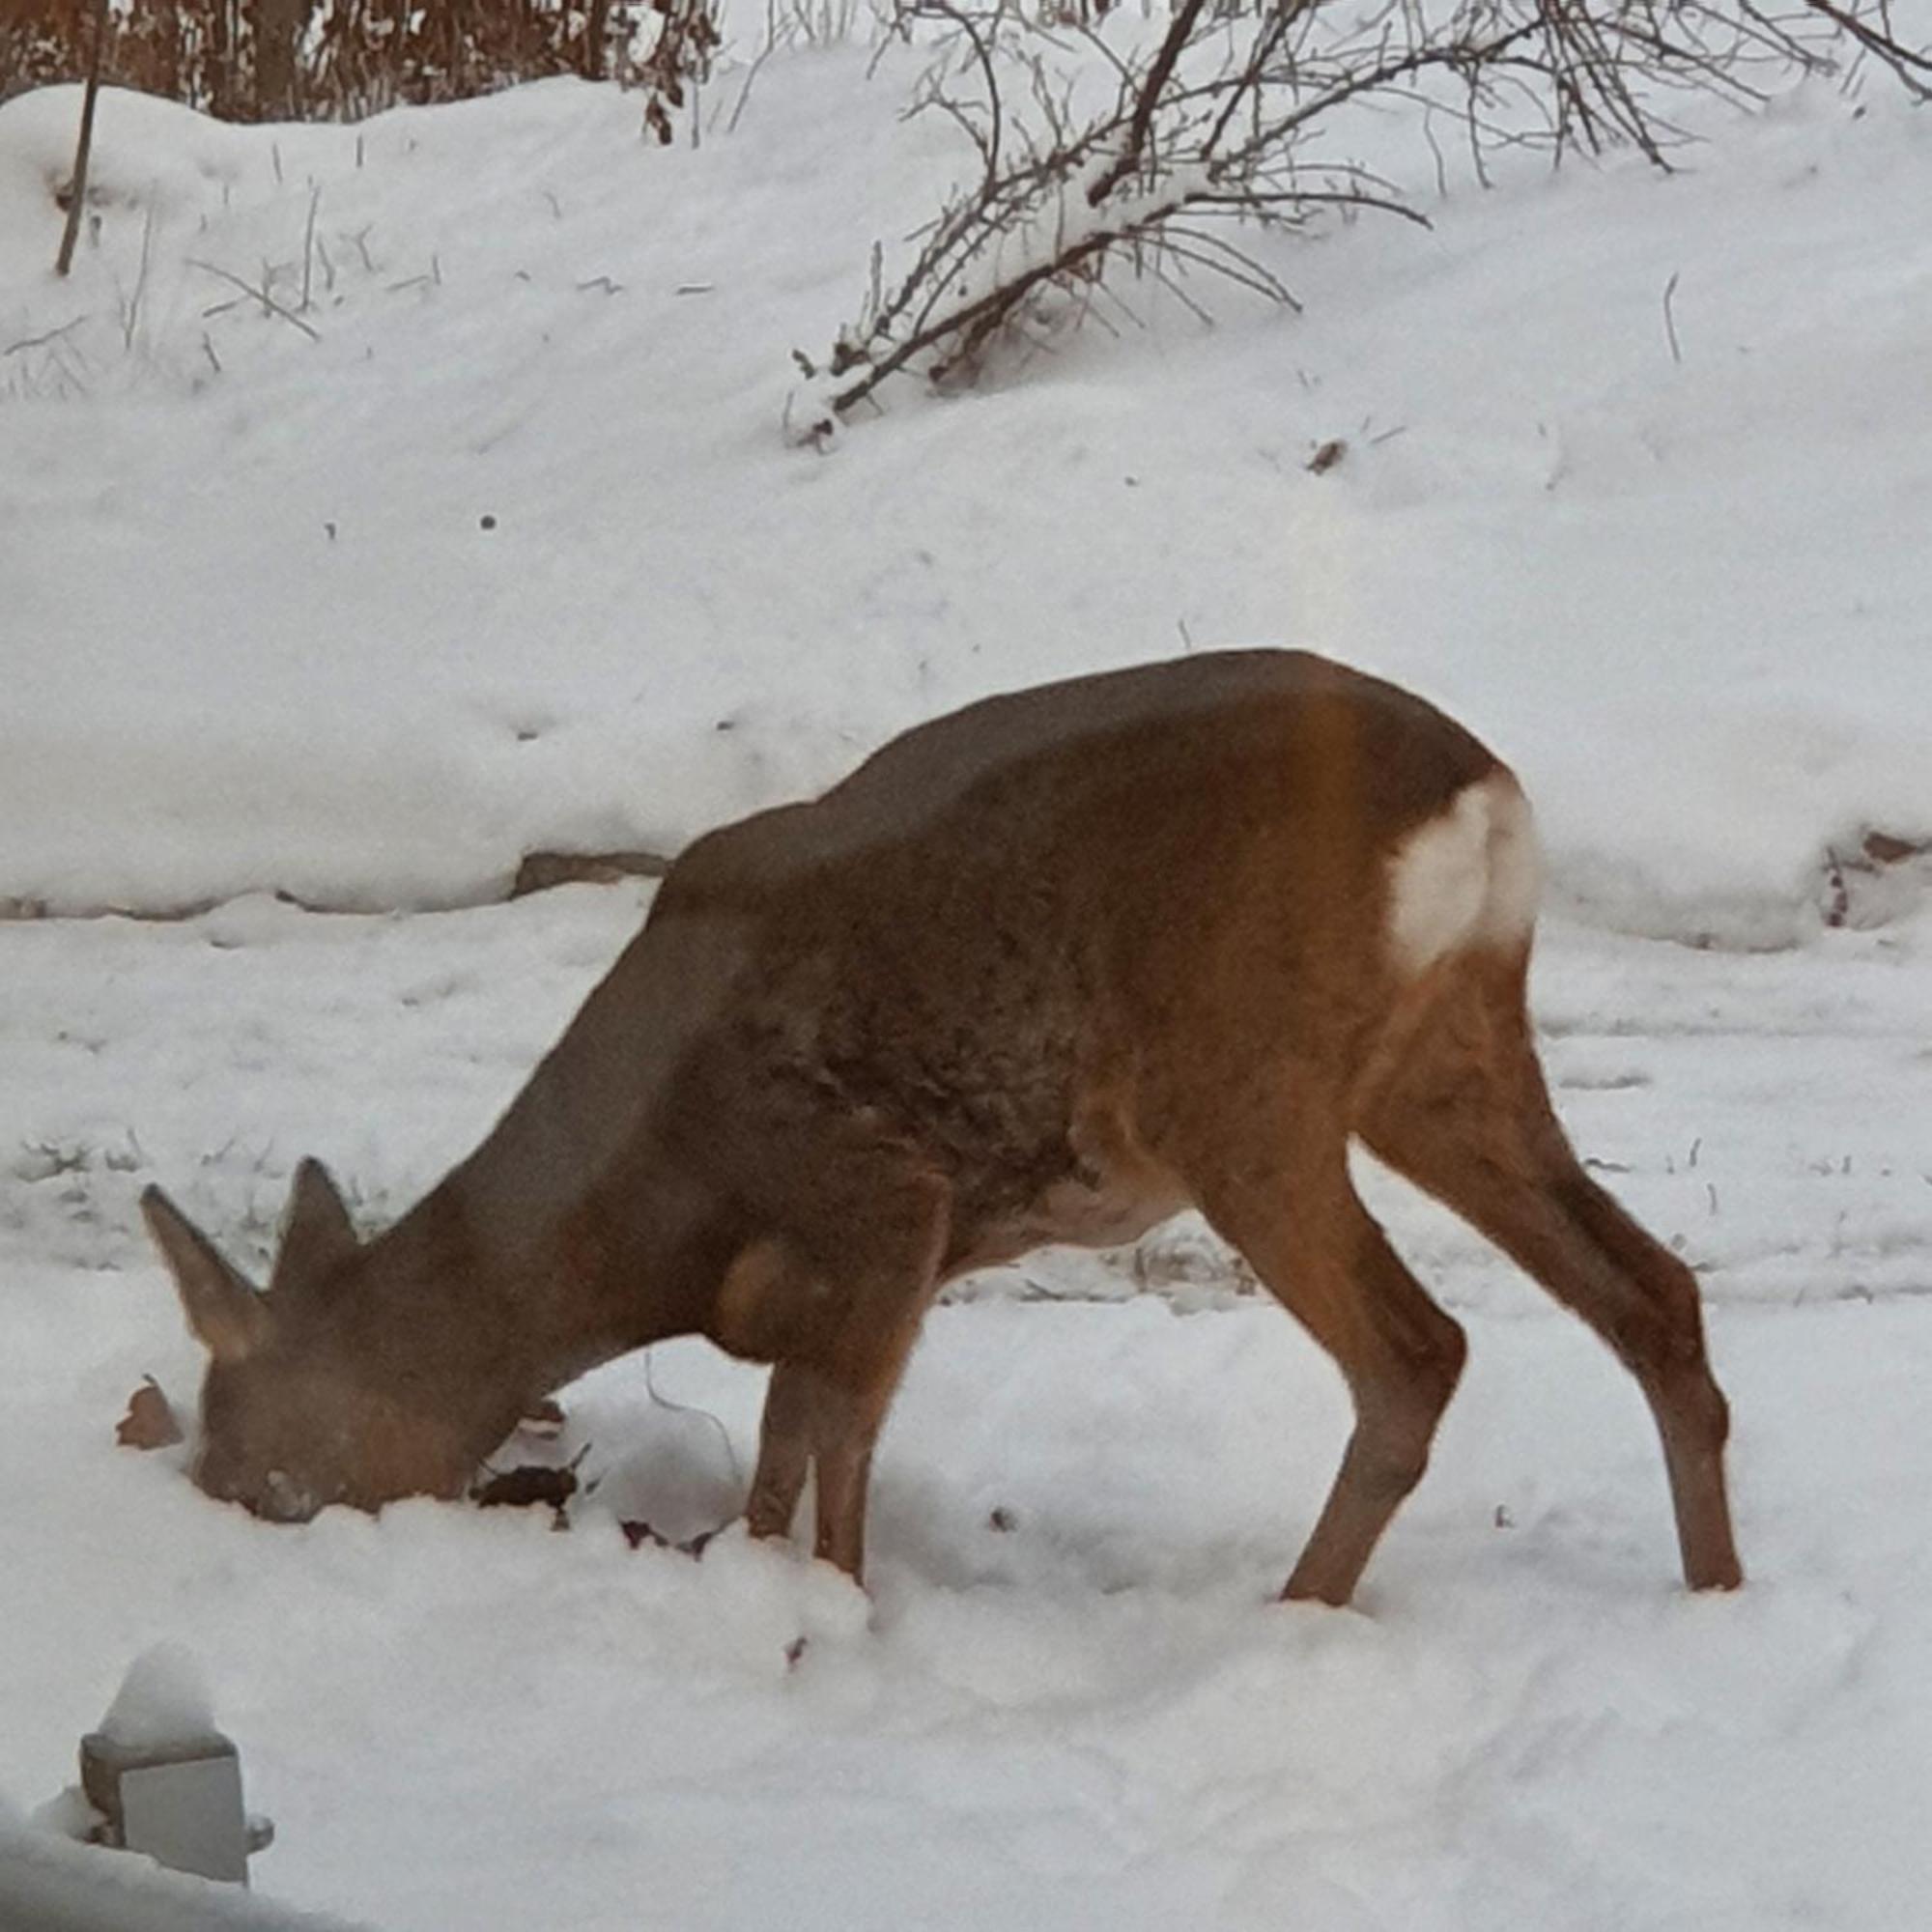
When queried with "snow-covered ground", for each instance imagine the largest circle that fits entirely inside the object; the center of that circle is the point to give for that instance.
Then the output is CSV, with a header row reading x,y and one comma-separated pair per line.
x,y
1091,1714
50,1885
262,639
258,637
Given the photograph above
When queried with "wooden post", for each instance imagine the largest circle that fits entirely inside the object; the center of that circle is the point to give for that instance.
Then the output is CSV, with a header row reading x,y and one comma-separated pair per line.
x,y
77,189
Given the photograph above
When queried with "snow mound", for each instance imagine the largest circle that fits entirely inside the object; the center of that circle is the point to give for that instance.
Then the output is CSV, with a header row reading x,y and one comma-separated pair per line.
x,y
147,152
397,500
48,1885
163,1699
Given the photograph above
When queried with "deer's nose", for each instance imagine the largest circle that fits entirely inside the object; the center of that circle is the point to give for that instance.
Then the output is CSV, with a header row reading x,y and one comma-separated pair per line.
x,y
283,1500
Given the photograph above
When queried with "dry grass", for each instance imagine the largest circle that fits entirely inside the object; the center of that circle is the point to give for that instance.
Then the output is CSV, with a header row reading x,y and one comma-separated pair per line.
x,y
254,60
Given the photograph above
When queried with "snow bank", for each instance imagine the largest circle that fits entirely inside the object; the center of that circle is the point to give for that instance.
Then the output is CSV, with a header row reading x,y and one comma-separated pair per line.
x,y
147,154
485,537
47,1884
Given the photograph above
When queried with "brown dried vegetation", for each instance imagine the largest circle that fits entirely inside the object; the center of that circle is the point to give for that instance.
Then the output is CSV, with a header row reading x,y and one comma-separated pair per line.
x,y
261,60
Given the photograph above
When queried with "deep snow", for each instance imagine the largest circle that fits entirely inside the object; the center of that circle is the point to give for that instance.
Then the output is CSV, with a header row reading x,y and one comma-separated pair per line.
x,y
258,637
1082,1709
263,639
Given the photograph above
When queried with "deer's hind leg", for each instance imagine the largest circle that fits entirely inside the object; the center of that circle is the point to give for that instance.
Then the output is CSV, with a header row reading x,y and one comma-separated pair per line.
x,y
1285,1200
1459,1106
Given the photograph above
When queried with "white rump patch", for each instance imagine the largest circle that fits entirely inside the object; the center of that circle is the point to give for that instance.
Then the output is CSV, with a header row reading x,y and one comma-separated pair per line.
x,y
1471,875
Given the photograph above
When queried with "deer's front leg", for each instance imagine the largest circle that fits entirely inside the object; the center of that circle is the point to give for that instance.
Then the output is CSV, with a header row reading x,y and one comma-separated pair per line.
x,y
898,1258
784,1449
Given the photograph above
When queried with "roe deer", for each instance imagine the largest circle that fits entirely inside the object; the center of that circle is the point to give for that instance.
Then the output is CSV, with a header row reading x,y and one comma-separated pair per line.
x,y
1046,970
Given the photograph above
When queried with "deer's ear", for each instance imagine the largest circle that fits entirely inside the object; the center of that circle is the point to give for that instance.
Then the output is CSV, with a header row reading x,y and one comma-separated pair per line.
x,y
228,1317
319,1233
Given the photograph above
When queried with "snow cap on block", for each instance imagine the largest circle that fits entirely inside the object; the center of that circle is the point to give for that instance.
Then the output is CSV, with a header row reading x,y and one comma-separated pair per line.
x,y
163,1699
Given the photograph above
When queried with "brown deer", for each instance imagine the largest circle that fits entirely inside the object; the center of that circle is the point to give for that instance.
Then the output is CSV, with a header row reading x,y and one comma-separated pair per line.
x,y
1048,969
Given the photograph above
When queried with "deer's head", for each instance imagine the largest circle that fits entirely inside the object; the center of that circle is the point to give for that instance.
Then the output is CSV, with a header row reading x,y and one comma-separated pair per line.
x,y
304,1403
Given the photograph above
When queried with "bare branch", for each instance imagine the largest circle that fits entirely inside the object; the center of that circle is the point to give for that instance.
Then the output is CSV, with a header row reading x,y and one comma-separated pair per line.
x,y
1213,119
1179,32
1906,63
41,341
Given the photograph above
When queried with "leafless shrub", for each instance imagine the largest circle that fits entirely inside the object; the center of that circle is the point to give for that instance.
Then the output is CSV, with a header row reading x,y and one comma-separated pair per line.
x,y
1229,119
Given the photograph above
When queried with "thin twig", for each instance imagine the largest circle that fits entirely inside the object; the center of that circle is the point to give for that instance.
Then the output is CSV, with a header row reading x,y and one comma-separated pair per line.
x,y
308,242
270,305
745,92
692,1408
132,321
1906,63
41,341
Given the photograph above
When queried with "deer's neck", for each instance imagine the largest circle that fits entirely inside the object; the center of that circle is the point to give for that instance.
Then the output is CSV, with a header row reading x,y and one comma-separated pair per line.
x,y
573,1233
502,1310
570,1235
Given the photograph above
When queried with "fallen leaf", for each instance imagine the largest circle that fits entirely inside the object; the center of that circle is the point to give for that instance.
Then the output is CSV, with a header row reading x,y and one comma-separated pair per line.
x,y
150,1423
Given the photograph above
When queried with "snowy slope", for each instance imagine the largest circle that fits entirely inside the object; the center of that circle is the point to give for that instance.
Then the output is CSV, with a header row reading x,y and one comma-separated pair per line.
x,y
510,553
261,637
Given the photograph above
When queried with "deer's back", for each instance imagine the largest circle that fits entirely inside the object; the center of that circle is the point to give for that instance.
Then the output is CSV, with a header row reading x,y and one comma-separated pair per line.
x,y
1065,893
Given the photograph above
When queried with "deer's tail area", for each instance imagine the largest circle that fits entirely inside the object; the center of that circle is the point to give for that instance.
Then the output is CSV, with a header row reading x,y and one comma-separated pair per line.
x,y
1470,876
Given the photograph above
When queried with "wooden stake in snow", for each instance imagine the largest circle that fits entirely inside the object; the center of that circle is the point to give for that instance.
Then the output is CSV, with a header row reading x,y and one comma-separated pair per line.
x,y
77,187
